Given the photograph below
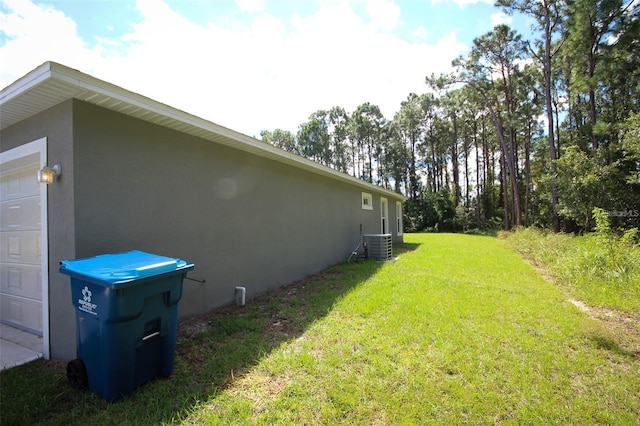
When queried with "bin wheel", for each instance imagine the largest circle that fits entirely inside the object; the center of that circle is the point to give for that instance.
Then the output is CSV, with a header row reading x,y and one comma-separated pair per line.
x,y
77,374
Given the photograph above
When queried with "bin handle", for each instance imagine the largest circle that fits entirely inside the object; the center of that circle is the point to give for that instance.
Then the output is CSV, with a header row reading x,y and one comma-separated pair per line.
x,y
151,336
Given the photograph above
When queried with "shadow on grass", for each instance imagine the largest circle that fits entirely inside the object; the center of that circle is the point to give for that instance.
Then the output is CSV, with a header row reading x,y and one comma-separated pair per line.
x,y
481,233
609,344
405,247
212,351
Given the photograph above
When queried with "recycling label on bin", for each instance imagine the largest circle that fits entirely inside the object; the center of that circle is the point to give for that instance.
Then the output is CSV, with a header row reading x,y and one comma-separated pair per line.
x,y
84,304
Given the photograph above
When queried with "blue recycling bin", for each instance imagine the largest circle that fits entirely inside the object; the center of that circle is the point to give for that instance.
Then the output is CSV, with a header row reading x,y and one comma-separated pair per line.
x,y
126,307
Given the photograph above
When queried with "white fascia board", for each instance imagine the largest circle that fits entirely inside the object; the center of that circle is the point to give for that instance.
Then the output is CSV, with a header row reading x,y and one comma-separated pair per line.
x,y
91,85
26,82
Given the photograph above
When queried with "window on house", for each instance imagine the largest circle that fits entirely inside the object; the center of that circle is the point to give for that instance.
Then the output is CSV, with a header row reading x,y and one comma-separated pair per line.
x,y
384,216
399,217
367,201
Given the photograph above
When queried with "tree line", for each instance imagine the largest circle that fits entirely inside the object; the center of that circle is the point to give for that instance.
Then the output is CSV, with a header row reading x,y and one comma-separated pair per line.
x,y
526,132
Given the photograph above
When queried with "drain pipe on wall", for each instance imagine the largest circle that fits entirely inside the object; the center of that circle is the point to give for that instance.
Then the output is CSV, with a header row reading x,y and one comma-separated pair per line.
x,y
355,250
241,294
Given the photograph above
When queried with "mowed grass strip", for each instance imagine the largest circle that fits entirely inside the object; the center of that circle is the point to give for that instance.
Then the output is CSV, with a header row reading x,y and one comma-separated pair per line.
x,y
459,330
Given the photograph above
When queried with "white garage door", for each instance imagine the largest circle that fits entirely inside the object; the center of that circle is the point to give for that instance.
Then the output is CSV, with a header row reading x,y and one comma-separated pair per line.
x,y
21,280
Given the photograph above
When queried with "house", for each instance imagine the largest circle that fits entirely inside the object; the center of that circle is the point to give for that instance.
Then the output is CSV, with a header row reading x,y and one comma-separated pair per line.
x,y
138,174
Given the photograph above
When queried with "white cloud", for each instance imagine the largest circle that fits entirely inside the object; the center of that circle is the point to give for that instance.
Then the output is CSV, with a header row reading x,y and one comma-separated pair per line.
x,y
523,63
33,35
247,75
384,14
420,33
250,5
462,3
500,18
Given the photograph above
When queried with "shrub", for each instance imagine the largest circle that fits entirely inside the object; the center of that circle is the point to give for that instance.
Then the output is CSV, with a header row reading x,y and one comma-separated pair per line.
x,y
601,268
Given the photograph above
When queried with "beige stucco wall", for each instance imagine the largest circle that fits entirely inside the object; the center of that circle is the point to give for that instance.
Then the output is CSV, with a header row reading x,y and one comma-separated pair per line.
x,y
242,219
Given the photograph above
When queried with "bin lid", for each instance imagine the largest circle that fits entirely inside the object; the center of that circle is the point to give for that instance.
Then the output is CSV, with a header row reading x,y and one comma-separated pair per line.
x,y
122,267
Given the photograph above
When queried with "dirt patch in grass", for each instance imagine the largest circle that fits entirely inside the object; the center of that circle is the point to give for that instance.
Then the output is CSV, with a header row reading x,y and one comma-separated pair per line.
x,y
624,326
278,312
259,388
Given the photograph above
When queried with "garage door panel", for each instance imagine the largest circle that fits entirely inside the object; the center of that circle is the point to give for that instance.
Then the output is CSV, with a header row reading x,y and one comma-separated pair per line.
x,y
21,280
20,247
20,183
18,215
20,312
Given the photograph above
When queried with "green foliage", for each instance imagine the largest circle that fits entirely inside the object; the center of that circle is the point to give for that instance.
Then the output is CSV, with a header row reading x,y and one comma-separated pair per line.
x,y
339,132
631,148
367,123
433,212
615,257
463,217
587,181
602,268
409,124
283,139
603,225
582,181
314,141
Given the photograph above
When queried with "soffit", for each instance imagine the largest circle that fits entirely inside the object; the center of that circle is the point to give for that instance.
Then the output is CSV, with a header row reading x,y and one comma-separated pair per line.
x,y
52,83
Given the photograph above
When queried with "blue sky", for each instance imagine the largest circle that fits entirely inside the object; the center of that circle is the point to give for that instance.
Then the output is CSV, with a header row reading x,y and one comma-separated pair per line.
x,y
249,64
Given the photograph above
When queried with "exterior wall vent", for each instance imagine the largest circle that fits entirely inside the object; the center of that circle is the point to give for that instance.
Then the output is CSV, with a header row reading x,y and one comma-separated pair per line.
x,y
379,246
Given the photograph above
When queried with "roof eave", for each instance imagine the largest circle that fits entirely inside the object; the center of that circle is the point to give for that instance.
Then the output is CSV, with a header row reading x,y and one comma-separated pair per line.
x,y
70,83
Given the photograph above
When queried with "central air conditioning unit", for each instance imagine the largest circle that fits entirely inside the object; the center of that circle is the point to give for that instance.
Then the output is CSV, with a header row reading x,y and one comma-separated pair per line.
x,y
379,246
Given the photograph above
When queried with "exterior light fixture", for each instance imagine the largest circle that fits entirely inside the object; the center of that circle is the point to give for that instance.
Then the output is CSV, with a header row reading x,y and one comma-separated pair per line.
x,y
49,174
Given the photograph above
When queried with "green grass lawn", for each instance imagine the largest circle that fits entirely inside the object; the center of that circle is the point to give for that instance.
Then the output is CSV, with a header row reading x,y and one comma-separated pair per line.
x,y
459,329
